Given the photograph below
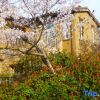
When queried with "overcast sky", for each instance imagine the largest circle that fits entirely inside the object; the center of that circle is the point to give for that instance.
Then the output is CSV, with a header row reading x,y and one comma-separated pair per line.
x,y
93,5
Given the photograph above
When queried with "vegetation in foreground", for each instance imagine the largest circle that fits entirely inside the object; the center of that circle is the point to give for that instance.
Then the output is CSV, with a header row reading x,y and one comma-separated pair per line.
x,y
73,76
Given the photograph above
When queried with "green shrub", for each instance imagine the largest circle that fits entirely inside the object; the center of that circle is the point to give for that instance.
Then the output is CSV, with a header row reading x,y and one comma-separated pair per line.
x,y
28,64
79,74
61,58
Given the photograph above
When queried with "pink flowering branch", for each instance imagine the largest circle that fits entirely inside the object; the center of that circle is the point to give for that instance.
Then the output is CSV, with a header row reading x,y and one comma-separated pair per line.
x,y
41,13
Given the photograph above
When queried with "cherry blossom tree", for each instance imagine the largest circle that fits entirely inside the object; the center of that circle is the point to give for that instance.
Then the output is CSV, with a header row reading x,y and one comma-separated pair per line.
x,y
37,16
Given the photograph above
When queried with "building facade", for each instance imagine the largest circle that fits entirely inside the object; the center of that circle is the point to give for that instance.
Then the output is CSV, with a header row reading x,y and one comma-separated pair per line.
x,y
84,28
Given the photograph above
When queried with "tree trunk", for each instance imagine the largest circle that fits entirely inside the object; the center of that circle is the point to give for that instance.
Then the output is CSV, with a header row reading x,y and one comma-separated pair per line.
x,y
45,59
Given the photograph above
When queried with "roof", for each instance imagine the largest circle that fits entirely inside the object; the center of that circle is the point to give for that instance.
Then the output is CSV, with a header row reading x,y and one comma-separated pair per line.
x,y
85,9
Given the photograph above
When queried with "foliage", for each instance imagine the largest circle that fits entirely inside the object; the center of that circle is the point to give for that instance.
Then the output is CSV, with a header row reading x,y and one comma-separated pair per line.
x,y
69,83
27,64
61,58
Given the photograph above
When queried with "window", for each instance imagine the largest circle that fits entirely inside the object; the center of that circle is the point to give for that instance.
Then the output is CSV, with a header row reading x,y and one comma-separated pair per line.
x,y
93,33
65,31
81,28
98,31
49,26
49,37
81,32
19,41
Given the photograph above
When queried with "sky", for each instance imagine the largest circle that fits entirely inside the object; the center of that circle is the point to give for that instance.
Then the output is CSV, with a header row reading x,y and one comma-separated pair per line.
x,y
93,5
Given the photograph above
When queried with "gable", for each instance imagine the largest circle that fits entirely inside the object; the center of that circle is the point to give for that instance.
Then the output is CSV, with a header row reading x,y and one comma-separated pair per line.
x,y
80,9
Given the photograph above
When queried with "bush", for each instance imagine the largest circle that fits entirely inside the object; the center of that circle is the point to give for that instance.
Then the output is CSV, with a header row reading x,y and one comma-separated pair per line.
x,y
61,58
28,64
78,74
47,86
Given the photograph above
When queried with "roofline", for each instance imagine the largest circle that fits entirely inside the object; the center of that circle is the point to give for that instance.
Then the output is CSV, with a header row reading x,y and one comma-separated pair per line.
x,y
85,9
76,10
